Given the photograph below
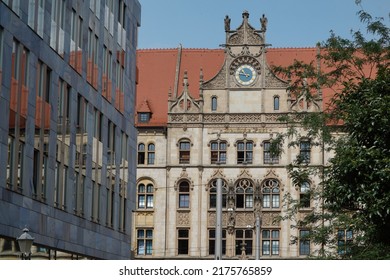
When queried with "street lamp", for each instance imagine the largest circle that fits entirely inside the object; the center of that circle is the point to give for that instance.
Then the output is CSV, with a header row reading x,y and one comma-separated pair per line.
x,y
25,242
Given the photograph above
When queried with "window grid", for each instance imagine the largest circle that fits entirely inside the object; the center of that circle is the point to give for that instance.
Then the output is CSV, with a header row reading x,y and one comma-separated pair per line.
x,y
270,242
244,152
144,241
151,154
305,150
304,243
145,196
184,152
271,193
184,194
141,153
182,241
269,157
218,152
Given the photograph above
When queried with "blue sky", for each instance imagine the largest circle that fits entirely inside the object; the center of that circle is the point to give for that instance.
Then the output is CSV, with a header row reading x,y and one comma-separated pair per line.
x,y
291,23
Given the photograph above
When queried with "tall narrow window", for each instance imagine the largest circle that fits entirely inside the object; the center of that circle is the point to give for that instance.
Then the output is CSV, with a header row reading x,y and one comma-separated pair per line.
x,y
145,196
183,241
270,156
184,194
141,153
304,243
276,103
76,42
94,5
212,242
57,32
144,241
244,151
270,242
36,13
271,193
214,103
17,115
344,241
184,152
92,66
213,194
304,151
107,74
42,130
151,154
244,194
218,152
304,195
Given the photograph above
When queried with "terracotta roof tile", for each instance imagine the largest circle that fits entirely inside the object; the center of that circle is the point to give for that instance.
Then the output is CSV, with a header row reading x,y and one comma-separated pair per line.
x,y
157,72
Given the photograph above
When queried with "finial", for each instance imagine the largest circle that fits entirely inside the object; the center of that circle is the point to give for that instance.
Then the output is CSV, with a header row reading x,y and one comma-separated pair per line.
x,y
170,92
201,75
245,14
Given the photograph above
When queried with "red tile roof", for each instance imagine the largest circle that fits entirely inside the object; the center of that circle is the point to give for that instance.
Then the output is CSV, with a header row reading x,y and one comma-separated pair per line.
x,y
157,72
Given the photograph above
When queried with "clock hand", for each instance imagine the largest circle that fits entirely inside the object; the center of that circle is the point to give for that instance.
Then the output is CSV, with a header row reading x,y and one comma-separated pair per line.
x,y
243,73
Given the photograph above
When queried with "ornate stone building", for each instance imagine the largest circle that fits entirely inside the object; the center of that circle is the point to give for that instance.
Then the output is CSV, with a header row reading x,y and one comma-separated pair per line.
x,y
208,114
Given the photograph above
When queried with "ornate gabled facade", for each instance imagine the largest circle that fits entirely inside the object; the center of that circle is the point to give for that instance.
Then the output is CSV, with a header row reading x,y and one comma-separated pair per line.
x,y
219,125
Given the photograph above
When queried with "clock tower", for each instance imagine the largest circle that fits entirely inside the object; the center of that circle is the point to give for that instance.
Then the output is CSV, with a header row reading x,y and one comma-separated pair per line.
x,y
249,84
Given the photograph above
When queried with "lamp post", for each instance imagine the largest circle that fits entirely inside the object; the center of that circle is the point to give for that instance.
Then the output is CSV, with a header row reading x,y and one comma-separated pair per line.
x,y
25,241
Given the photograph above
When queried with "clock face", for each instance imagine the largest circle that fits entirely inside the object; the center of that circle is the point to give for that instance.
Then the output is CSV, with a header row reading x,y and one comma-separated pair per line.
x,y
245,74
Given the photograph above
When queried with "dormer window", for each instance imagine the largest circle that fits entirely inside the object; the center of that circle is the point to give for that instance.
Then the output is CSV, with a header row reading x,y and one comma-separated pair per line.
x,y
143,117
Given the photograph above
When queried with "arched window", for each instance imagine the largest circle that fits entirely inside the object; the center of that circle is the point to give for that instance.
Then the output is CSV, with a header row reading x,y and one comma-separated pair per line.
x,y
184,194
151,154
244,194
276,103
141,153
304,195
214,103
145,196
271,193
213,194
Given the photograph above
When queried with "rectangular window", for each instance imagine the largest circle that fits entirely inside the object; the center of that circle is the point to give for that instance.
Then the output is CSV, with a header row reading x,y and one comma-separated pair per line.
x,y
36,13
244,241
344,241
18,114
57,31
184,152
76,42
304,152
92,66
269,156
244,152
218,152
270,242
144,242
212,242
304,242
182,241
94,5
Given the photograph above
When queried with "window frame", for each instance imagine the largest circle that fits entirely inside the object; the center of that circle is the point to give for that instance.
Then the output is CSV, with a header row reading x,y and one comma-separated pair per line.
x,y
183,241
268,158
304,195
276,103
304,242
146,240
218,153
145,196
184,151
184,194
305,151
141,153
151,154
273,195
244,151
270,249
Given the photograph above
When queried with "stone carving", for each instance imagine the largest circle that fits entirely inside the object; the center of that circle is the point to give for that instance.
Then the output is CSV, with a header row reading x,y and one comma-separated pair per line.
x,y
245,118
217,82
245,59
183,219
269,219
177,118
214,118
263,23
193,118
271,81
227,23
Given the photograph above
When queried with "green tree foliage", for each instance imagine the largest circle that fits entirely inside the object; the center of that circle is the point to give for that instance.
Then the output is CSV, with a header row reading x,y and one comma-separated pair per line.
x,y
355,190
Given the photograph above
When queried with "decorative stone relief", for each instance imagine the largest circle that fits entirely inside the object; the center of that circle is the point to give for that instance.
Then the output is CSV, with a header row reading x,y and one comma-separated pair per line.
x,y
244,219
269,219
183,219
